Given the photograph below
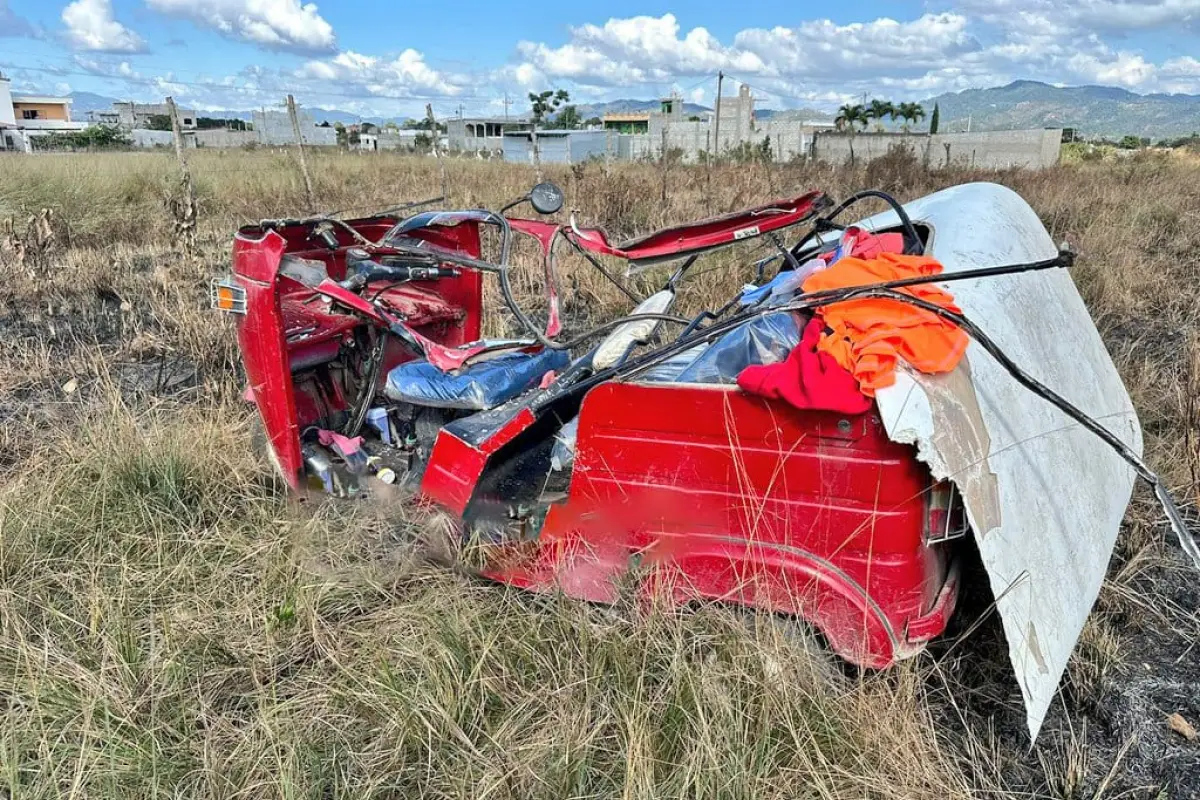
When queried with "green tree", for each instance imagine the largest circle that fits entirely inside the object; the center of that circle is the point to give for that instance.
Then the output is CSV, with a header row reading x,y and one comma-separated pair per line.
x,y
935,119
568,118
911,113
93,137
848,118
879,110
158,122
1130,142
422,124
545,103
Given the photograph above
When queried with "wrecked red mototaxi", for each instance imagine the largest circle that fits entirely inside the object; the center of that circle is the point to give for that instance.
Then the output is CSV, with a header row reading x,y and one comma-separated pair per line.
x,y
826,444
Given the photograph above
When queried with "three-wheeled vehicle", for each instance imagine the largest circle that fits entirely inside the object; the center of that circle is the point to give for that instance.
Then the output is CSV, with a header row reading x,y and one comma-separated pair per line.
x,y
626,456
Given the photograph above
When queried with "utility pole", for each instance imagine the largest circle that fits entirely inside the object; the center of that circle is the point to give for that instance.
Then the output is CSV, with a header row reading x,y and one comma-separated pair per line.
x,y
185,211
717,125
308,188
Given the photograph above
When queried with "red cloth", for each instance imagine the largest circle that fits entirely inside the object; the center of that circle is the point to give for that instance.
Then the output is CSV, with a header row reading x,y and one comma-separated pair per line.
x,y
864,244
808,379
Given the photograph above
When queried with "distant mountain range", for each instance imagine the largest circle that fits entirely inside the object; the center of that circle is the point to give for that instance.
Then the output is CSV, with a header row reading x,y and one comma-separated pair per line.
x,y
83,102
589,110
1092,110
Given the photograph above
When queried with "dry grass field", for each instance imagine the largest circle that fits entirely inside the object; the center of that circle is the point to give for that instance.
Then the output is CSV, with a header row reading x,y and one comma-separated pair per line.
x,y
172,625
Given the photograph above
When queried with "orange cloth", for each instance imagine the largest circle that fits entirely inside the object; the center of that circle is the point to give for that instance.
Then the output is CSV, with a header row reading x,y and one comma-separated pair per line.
x,y
868,335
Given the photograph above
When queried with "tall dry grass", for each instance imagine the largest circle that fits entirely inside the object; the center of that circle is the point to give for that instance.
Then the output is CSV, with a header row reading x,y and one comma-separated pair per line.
x,y
172,625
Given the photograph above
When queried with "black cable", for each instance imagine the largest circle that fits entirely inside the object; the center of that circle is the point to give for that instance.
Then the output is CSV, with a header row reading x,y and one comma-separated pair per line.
x,y
888,290
1174,517
826,222
366,389
600,268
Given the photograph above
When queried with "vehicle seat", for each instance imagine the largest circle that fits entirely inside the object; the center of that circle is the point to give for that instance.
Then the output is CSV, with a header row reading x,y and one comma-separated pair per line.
x,y
476,387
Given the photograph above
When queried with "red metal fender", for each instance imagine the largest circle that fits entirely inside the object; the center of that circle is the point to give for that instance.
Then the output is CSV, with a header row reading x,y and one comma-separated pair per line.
x,y
727,497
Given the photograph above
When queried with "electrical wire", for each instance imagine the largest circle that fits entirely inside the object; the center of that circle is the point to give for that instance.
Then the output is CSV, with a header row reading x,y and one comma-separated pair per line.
x,y
888,290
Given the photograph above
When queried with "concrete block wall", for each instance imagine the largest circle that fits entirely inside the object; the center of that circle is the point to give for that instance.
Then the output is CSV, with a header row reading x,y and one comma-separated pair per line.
x,y
219,137
1034,149
143,137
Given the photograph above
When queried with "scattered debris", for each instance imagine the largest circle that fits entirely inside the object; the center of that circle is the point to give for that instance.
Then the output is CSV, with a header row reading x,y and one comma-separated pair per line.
x,y
70,386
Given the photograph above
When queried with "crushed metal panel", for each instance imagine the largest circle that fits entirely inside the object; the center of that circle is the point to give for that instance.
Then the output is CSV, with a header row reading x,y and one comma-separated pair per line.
x,y
1044,496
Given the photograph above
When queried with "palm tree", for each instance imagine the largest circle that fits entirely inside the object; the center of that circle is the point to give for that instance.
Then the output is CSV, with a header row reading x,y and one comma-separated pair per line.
x,y
848,118
910,113
878,110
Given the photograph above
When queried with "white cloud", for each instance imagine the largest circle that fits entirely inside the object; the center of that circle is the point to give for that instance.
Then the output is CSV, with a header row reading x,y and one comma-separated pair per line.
x,y
275,24
626,52
1120,69
964,44
975,43
1100,16
403,76
92,26
823,48
654,50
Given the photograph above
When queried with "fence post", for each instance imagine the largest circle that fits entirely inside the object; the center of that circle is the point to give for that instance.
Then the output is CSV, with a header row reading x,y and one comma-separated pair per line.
x,y
183,210
662,157
437,153
708,159
537,156
308,188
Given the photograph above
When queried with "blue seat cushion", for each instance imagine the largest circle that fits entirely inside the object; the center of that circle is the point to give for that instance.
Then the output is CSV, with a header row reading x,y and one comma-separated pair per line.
x,y
476,387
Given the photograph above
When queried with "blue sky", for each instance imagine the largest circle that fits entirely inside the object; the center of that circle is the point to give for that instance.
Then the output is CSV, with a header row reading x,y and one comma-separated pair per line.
x,y
384,58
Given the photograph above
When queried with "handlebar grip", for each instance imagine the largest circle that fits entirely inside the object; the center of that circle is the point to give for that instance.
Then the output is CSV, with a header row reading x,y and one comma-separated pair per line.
x,y
372,271
430,273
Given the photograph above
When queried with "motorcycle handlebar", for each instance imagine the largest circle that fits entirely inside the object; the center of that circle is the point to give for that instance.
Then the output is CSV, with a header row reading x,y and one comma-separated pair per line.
x,y
396,274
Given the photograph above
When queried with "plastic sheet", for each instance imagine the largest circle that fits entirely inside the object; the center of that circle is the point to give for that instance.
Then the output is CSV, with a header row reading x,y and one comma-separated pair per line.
x,y
782,287
764,340
476,387
562,455
670,369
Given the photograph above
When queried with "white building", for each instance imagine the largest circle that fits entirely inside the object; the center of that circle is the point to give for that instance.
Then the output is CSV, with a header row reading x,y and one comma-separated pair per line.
x,y
24,117
138,115
482,134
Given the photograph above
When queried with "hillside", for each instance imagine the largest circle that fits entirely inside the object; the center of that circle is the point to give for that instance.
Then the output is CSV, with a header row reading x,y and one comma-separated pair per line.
x,y
1093,110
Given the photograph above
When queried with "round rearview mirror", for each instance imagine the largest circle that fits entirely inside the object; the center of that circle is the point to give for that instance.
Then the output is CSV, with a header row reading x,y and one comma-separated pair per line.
x,y
546,198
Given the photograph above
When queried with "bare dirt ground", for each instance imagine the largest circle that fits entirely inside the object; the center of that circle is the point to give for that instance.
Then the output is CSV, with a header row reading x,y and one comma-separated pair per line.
x,y
172,625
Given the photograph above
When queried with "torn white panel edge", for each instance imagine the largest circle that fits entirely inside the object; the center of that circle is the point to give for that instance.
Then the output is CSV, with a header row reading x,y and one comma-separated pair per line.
x,y
1045,497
